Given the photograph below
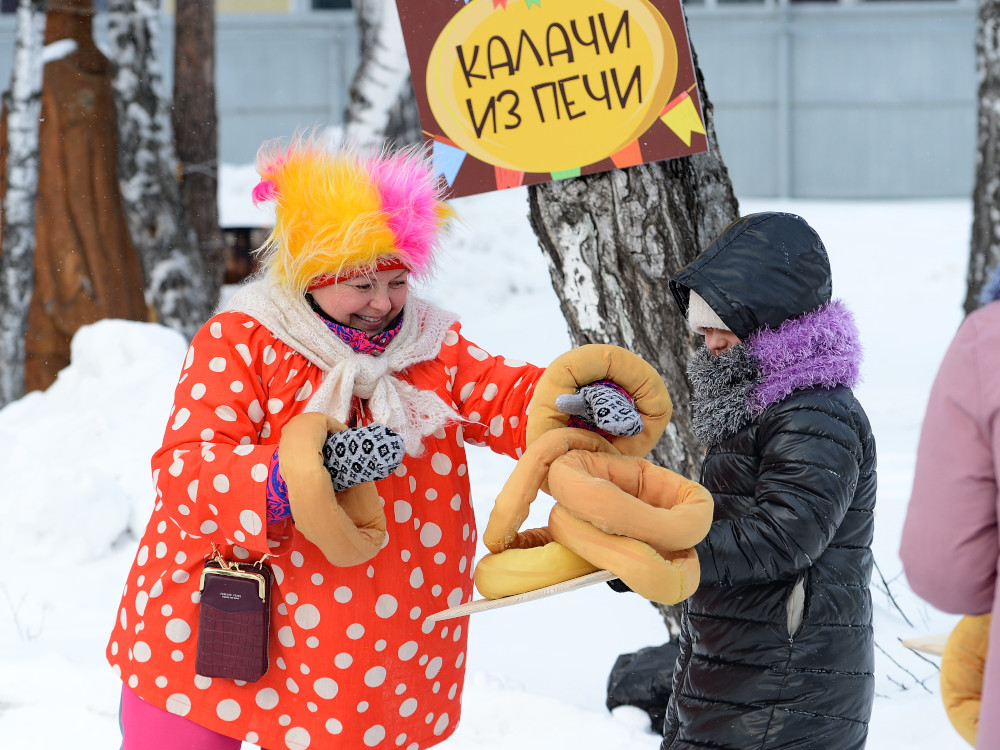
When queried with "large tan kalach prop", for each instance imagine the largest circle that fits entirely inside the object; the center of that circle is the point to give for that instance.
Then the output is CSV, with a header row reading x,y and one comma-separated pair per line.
x,y
348,526
614,510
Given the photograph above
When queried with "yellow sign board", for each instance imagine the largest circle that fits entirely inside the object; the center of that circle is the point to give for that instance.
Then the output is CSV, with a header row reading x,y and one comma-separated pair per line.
x,y
517,92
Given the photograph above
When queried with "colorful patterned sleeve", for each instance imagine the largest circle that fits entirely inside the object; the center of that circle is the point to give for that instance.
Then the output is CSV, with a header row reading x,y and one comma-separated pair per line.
x,y
278,505
492,392
213,468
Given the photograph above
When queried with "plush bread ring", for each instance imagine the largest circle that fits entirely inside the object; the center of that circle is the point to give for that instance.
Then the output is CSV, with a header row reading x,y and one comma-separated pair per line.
x,y
638,520
514,501
962,665
632,497
613,512
519,570
588,364
349,527
665,577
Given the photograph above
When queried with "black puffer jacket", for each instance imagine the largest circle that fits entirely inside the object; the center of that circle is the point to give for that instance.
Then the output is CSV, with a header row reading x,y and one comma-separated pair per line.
x,y
777,643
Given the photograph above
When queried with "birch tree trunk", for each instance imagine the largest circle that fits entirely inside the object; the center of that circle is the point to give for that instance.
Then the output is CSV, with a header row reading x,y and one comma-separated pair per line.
x,y
177,278
382,106
612,241
985,251
195,123
23,105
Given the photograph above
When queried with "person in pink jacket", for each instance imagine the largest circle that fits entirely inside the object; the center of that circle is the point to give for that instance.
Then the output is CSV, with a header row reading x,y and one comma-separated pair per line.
x,y
951,543
319,430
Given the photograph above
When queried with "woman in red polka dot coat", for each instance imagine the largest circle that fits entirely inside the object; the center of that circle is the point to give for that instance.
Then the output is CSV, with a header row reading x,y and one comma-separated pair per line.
x,y
327,330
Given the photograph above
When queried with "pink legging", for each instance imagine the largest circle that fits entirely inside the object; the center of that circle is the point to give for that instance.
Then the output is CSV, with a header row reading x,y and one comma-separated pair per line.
x,y
146,727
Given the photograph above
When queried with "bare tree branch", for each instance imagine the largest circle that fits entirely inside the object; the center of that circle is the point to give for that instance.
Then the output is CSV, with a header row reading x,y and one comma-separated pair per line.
x,y
177,278
382,104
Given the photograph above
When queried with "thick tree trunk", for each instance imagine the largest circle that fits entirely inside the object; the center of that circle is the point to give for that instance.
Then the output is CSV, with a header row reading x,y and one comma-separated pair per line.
x,y
195,124
985,251
612,241
23,105
177,279
86,268
383,108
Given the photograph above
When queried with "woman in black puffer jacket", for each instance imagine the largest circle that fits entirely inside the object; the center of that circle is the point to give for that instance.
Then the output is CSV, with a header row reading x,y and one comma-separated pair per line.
x,y
776,644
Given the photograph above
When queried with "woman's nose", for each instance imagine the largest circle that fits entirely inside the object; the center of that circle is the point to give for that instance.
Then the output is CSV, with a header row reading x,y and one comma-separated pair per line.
x,y
380,300
715,342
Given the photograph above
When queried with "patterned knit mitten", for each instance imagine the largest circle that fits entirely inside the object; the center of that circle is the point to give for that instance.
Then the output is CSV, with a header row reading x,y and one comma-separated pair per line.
x,y
605,406
362,454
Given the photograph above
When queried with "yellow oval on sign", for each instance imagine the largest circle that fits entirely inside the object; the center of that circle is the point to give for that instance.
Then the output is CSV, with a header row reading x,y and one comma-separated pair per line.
x,y
550,86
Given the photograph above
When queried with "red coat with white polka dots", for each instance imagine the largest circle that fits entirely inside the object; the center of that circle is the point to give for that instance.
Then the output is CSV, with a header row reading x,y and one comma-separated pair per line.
x,y
353,663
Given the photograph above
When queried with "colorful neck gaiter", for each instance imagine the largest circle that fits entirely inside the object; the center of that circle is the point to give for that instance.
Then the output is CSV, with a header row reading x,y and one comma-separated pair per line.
x,y
359,340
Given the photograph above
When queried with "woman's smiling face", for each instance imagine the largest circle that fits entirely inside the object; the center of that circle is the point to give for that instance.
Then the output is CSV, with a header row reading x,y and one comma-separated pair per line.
x,y
369,303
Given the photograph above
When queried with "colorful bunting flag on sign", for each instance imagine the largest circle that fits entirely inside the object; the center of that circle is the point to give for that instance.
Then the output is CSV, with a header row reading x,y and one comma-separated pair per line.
x,y
529,3
681,116
508,178
565,174
628,156
447,160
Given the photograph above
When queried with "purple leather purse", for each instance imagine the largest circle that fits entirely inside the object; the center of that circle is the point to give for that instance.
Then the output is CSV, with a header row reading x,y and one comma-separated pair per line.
x,y
233,620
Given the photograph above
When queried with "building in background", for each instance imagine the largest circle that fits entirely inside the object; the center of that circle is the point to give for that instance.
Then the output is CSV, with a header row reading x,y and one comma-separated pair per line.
x,y
824,99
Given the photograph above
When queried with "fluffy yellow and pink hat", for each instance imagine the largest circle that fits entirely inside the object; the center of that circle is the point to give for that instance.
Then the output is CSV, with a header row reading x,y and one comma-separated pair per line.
x,y
341,213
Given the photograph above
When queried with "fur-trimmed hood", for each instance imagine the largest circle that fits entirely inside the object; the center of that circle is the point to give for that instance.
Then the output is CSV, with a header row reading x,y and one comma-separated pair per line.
x,y
821,348
762,270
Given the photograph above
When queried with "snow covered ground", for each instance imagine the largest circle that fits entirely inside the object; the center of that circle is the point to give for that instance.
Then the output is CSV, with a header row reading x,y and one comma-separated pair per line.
x,y
75,461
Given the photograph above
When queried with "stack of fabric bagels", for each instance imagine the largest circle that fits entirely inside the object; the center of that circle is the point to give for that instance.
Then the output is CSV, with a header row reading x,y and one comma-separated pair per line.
x,y
613,509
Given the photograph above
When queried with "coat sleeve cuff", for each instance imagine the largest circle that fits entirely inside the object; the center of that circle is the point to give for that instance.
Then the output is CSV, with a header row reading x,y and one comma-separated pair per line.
x,y
278,507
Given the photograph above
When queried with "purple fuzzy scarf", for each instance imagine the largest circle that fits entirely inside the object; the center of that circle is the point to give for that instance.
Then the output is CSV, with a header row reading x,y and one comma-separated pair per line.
x,y
820,348
817,349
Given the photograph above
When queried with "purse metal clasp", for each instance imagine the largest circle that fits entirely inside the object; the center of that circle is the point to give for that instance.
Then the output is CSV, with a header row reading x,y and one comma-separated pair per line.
x,y
261,582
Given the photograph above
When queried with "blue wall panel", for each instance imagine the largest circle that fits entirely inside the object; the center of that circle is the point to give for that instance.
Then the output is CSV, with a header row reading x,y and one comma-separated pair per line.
x,y
824,100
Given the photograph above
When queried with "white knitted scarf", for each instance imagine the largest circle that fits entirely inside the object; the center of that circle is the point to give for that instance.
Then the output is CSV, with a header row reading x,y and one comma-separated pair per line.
x,y
409,411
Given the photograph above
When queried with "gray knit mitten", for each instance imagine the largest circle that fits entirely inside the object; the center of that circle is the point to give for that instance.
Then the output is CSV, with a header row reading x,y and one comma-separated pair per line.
x,y
362,454
603,406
